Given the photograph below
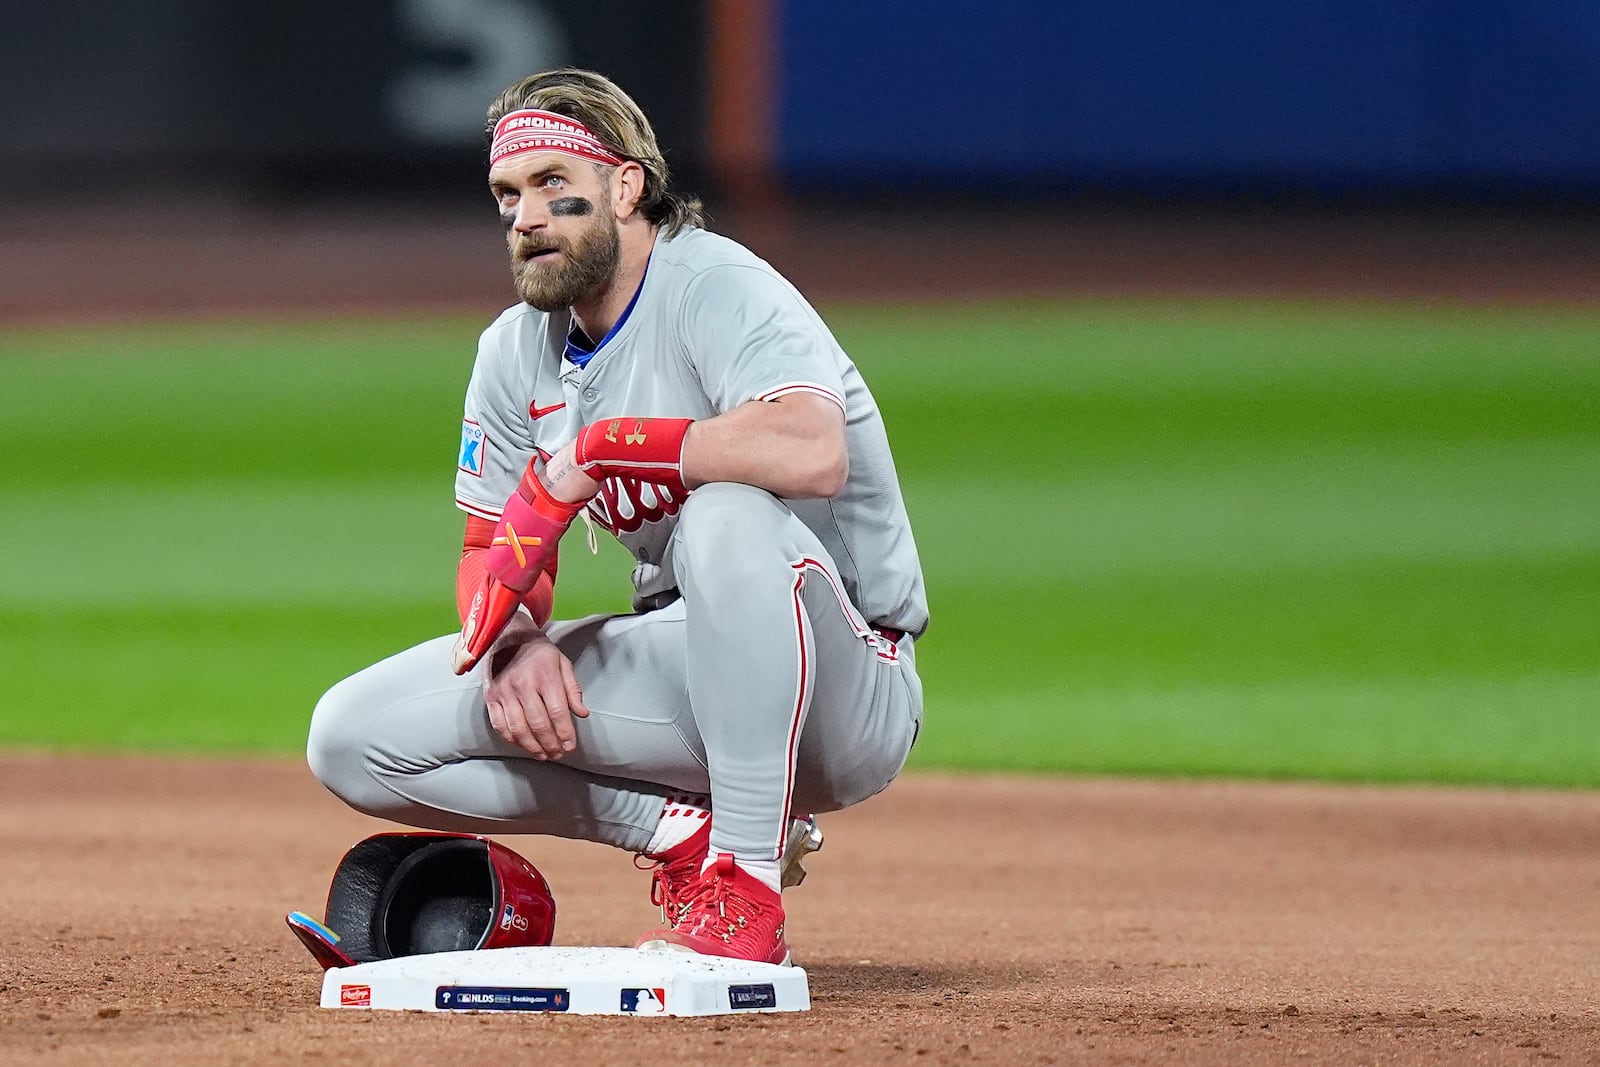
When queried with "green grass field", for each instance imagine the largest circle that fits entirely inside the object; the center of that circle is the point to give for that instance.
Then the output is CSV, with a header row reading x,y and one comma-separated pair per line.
x,y
1170,538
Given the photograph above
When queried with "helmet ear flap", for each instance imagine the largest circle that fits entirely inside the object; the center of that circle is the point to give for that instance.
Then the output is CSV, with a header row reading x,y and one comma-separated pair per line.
x,y
525,908
407,894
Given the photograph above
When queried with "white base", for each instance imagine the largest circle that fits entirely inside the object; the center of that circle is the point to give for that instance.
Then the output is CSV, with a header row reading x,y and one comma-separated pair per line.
x,y
577,981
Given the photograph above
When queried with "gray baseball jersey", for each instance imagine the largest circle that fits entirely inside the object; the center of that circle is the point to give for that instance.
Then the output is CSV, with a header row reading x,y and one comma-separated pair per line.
x,y
763,674
713,327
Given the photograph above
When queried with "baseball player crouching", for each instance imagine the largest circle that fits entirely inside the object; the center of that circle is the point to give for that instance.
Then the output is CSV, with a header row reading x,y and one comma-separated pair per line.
x,y
676,387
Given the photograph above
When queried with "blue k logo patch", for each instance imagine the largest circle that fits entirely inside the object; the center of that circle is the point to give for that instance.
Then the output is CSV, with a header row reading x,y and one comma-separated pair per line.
x,y
472,446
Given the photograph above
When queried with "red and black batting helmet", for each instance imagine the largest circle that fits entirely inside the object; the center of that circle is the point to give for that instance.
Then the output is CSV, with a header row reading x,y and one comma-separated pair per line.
x,y
405,894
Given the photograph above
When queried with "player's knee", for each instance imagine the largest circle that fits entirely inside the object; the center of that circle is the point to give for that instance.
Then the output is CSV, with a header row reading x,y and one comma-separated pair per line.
x,y
835,790
336,746
731,509
727,530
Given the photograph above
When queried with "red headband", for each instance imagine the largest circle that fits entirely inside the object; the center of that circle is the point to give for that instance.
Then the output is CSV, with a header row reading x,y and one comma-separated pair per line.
x,y
531,130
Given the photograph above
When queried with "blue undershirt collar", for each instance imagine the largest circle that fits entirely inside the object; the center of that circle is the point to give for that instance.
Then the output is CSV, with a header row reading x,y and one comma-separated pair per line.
x,y
580,350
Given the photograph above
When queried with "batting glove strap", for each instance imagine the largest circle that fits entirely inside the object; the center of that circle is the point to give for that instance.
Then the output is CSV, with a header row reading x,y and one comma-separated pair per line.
x,y
528,531
650,450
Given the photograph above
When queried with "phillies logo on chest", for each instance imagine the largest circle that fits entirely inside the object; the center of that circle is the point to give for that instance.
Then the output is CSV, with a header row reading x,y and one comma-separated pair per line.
x,y
625,504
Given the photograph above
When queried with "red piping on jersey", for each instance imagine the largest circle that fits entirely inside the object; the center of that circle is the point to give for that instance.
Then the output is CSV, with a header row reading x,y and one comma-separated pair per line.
x,y
878,638
805,387
799,713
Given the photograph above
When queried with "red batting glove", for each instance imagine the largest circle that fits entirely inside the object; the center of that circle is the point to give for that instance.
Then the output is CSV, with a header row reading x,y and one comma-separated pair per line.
x,y
529,529
650,450
492,607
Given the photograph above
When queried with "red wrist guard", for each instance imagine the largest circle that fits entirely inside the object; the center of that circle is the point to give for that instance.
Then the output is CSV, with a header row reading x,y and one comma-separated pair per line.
x,y
650,450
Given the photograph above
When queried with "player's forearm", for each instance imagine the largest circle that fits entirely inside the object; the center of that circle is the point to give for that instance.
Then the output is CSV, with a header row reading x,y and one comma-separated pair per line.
x,y
792,447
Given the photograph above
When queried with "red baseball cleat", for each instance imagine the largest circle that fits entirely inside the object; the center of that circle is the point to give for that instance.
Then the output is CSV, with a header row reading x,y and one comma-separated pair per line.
x,y
675,873
730,914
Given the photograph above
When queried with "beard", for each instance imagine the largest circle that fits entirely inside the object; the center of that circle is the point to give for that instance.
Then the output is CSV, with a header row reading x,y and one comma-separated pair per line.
x,y
586,264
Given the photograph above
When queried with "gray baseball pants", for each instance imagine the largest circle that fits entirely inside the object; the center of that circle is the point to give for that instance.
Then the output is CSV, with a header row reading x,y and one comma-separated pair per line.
x,y
762,686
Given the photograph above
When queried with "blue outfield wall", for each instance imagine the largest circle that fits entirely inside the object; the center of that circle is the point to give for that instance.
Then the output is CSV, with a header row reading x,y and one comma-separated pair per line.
x,y
1359,94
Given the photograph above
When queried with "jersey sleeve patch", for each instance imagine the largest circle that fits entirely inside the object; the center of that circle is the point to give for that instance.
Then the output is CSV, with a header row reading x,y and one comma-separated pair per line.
x,y
473,444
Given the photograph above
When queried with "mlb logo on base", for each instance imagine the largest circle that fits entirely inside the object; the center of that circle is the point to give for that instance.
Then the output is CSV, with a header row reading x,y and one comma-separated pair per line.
x,y
644,1001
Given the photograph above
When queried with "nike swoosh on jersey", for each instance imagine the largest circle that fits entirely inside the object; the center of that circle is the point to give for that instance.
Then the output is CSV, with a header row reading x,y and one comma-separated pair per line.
x,y
539,413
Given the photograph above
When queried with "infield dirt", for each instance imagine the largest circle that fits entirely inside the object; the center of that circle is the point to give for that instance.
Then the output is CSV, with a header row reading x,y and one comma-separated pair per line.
x,y
951,920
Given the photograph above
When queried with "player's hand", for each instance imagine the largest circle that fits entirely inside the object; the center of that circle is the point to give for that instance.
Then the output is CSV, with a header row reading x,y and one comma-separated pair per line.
x,y
566,480
532,692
